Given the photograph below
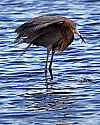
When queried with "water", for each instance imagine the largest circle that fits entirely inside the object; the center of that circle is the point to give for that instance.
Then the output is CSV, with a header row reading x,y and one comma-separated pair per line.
x,y
73,97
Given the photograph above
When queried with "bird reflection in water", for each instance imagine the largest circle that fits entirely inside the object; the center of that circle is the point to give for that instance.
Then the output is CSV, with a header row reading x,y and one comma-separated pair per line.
x,y
52,104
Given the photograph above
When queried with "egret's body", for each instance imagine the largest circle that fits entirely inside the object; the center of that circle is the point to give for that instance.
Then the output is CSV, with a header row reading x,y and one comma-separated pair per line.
x,y
53,32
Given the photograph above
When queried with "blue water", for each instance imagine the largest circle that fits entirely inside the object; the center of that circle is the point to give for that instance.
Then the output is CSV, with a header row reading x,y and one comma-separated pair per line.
x,y
73,97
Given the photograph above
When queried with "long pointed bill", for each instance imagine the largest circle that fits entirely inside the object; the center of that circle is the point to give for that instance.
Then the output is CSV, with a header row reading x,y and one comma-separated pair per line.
x,y
77,32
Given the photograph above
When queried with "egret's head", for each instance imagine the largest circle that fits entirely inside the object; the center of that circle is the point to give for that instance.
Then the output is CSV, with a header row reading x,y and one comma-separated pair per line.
x,y
72,26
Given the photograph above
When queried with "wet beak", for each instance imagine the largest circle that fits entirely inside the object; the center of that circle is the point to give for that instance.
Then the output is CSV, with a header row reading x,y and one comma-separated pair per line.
x,y
77,32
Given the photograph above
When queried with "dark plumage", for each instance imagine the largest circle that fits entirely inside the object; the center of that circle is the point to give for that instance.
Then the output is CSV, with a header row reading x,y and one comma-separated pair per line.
x,y
53,32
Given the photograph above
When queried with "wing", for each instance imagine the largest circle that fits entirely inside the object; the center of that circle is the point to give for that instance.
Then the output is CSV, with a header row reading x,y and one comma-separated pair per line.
x,y
40,22
32,29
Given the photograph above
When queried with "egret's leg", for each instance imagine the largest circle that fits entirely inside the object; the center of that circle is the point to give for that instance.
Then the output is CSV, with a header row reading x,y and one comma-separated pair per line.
x,y
50,69
48,51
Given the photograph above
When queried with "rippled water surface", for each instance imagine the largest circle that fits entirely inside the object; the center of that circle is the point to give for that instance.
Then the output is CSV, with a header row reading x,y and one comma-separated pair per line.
x,y
73,97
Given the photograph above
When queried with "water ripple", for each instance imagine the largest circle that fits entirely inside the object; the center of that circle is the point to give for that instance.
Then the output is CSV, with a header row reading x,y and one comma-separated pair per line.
x,y
73,97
